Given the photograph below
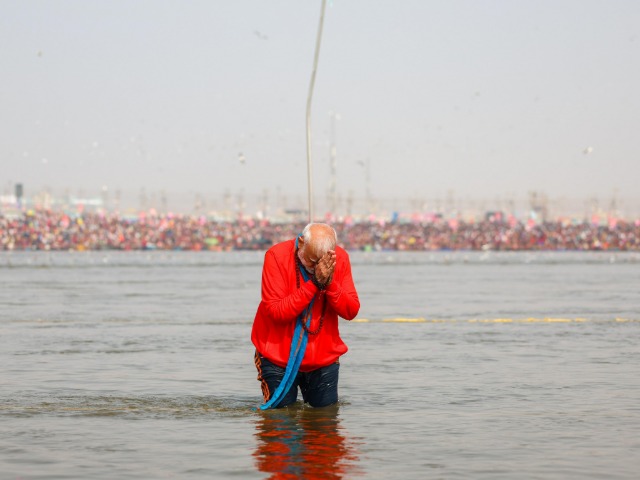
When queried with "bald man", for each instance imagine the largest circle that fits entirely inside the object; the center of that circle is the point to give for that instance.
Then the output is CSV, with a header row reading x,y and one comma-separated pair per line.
x,y
297,272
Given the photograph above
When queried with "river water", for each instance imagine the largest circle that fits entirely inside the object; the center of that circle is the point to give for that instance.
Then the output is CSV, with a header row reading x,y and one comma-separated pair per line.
x,y
461,365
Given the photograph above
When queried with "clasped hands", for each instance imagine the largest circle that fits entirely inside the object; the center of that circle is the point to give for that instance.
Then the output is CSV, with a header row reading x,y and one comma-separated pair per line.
x,y
325,267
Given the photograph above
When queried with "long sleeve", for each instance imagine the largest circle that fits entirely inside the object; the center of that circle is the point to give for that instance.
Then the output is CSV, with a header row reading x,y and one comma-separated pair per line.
x,y
280,302
341,293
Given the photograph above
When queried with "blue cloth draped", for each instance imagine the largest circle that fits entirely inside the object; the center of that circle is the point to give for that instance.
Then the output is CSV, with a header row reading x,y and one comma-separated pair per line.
x,y
296,354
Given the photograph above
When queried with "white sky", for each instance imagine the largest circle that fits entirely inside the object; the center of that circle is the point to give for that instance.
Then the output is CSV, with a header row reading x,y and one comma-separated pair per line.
x,y
479,98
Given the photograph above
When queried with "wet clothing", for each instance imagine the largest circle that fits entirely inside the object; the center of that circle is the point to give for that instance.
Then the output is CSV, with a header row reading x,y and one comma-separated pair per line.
x,y
319,387
283,301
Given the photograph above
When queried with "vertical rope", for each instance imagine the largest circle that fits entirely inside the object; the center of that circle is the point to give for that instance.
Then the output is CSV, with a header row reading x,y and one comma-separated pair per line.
x,y
309,97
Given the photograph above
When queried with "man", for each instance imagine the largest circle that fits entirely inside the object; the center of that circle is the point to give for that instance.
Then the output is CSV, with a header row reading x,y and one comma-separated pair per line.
x,y
307,280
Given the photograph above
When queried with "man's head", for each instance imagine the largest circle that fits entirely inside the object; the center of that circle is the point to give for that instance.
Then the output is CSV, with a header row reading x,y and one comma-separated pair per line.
x,y
316,240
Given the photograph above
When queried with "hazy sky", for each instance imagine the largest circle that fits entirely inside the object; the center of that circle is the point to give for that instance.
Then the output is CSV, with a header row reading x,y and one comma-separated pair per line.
x,y
479,97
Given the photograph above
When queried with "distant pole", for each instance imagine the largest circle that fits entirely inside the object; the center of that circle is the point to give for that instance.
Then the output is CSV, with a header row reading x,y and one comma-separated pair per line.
x,y
311,85
19,192
333,193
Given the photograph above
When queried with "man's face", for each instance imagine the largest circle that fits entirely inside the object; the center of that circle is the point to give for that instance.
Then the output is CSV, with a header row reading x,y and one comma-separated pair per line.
x,y
308,256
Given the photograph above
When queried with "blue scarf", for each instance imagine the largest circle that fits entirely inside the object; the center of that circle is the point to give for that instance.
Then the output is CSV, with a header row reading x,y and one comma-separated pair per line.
x,y
296,354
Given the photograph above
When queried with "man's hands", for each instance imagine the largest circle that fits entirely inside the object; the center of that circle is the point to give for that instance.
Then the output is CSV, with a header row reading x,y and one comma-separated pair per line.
x,y
325,268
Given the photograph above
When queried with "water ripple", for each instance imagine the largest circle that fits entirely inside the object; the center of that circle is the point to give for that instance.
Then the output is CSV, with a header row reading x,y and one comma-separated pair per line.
x,y
132,407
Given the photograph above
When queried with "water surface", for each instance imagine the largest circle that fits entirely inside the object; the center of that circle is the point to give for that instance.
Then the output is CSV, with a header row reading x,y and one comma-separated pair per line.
x,y
462,365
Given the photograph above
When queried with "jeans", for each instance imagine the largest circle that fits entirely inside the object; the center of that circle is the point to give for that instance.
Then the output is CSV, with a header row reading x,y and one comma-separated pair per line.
x,y
319,387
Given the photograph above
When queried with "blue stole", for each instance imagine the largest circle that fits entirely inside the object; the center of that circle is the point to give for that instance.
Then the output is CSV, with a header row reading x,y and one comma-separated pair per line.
x,y
296,354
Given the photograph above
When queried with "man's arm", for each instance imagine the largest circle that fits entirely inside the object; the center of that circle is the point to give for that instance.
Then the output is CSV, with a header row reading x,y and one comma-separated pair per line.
x,y
280,303
341,292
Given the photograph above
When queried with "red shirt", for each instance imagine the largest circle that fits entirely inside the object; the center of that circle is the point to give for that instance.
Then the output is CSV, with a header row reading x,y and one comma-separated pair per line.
x,y
282,303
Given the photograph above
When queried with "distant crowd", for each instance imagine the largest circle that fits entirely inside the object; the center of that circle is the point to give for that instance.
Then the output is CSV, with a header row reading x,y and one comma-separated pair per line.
x,y
46,230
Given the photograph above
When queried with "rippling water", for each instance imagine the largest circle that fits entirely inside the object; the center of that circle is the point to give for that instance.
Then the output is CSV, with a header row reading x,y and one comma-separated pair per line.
x,y
461,365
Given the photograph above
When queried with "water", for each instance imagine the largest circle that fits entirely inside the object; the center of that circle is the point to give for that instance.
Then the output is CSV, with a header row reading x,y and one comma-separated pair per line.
x,y
463,365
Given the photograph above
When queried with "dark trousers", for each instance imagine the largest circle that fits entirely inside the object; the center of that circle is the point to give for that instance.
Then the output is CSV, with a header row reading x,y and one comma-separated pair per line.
x,y
319,387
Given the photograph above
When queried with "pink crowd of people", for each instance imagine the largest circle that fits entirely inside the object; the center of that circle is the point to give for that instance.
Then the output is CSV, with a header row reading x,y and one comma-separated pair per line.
x,y
47,230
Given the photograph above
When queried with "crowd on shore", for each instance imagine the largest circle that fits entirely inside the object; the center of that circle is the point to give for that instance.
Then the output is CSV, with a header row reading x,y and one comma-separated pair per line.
x,y
48,230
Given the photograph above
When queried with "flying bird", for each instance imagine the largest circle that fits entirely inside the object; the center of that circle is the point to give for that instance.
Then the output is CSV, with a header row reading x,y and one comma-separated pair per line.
x,y
260,35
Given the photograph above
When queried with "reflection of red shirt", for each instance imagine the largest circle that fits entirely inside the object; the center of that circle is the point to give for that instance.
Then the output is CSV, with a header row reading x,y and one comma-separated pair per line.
x,y
304,445
282,302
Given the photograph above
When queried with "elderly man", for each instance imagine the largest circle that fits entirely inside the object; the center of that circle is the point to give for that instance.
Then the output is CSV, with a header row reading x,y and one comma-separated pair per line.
x,y
306,285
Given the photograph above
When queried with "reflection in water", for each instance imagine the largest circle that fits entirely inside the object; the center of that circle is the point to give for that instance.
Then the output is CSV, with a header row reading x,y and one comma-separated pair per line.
x,y
303,442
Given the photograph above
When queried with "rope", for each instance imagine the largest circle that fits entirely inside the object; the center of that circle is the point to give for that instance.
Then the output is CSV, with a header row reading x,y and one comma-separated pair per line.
x,y
311,85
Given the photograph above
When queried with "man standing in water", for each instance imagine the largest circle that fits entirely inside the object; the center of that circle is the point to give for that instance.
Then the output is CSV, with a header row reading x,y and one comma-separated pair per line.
x,y
307,280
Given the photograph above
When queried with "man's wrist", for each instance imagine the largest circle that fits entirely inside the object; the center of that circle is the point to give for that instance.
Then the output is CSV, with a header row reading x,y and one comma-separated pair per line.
x,y
317,283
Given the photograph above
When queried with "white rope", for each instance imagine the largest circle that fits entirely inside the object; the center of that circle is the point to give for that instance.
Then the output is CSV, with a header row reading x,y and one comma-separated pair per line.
x,y
311,85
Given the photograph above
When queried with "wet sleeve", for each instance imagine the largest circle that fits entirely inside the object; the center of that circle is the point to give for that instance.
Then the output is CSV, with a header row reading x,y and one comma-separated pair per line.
x,y
281,304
